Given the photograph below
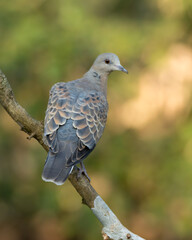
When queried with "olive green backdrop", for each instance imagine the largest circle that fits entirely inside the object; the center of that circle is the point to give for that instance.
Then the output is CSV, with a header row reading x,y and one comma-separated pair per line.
x,y
142,166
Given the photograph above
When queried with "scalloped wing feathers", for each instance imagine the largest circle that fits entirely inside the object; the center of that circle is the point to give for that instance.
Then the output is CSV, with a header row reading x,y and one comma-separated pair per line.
x,y
74,122
87,110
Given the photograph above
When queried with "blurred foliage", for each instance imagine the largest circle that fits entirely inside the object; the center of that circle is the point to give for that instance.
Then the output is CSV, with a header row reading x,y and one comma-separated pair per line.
x,y
142,166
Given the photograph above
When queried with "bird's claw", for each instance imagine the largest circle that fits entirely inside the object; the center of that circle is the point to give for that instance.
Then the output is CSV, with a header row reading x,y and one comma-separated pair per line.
x,y
83,171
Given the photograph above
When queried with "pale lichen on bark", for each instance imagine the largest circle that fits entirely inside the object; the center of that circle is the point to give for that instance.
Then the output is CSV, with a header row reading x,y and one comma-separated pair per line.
x,y
112,228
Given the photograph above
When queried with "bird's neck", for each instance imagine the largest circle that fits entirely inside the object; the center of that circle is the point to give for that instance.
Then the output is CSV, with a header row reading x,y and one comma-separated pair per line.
x,y
99,79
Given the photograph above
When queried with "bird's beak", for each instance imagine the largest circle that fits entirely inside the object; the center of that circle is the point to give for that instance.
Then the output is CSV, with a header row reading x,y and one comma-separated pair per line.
x,y
121,68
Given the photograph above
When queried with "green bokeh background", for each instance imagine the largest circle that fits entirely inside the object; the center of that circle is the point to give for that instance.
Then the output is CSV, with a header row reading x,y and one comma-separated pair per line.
x,y
144,172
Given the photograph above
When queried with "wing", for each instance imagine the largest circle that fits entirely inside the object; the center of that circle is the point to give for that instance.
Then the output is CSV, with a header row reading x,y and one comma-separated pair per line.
x,y
58,111
90,116
87,110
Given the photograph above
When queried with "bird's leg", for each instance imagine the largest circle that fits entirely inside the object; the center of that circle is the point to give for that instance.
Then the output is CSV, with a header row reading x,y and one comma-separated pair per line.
x,y
82,170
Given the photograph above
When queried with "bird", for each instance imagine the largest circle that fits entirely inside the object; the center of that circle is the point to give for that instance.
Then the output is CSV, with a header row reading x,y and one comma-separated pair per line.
x,y
75,119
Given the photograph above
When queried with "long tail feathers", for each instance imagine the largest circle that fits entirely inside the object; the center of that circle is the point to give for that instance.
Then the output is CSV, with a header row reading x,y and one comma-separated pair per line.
x,y
55,170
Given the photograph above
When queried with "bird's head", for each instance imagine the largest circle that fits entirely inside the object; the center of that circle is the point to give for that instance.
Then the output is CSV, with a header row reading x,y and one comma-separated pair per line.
x,y
107,63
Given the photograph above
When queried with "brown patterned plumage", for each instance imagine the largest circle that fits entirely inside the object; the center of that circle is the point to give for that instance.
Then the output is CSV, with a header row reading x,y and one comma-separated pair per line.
x,y
76,117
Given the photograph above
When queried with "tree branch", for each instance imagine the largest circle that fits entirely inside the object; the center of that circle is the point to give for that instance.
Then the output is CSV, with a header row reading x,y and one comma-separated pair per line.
x,y
112,228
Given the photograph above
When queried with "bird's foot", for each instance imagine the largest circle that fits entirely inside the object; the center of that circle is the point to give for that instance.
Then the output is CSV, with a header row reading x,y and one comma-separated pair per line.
x,y
83,171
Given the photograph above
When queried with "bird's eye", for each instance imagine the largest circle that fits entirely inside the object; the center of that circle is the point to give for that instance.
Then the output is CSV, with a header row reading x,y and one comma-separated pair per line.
x,y
107,61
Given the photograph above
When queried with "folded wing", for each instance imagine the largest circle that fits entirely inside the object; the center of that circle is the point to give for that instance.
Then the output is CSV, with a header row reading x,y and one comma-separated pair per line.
x,y
83,115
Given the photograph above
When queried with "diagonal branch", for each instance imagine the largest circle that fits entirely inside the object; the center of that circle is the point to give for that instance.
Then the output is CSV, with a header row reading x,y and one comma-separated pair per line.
x,y
112,228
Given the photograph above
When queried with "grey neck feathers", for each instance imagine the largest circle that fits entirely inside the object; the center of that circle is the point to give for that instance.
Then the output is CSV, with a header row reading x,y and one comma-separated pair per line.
x,y
98,79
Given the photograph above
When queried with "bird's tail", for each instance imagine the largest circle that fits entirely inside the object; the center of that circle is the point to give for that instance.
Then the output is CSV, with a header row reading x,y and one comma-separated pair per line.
x,y
55,170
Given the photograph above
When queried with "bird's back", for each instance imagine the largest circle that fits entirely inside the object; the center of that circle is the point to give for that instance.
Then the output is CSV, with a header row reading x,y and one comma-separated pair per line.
x,y
74,122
